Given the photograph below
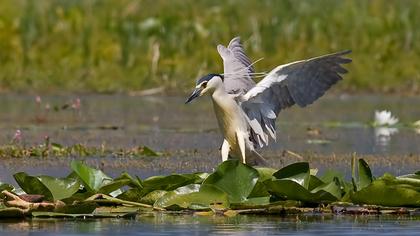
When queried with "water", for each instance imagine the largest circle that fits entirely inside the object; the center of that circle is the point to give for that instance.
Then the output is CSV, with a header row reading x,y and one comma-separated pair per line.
x,y
162,224
189,138
165,123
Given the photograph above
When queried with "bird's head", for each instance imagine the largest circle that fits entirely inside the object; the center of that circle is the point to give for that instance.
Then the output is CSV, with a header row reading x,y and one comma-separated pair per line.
x,y
205,84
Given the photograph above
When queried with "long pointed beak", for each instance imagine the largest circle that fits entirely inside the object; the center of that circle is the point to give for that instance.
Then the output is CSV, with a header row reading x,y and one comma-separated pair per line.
x,y
195,94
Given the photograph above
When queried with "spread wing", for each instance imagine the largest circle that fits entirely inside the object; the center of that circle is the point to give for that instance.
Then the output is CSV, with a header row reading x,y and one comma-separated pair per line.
x,y
301,83
237,67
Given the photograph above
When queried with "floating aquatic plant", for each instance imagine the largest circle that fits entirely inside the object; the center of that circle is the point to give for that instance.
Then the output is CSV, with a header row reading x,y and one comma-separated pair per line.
x,y
51,149
233,188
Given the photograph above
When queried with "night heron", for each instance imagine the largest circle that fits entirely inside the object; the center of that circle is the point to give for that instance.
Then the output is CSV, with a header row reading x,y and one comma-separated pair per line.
x,y
246,111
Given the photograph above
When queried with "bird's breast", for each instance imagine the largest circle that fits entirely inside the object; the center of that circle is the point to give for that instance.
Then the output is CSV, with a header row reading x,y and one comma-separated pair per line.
x,y
229,116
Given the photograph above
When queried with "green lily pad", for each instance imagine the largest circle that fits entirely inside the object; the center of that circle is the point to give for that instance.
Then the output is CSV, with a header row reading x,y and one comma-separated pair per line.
x,y
7,187
298,172
51,188
169,182
365,174
255,202
134,182
234,178
260,190
78,208
136,195
314,182
290,190
386,192
114,185
265,173
192,198
92,179
152,197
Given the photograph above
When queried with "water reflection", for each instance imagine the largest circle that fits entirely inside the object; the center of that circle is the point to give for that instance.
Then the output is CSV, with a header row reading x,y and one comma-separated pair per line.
x,y
383,135
174,224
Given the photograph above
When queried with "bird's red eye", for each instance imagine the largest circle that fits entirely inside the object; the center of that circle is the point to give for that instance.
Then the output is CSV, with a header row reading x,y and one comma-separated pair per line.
x,y
204,84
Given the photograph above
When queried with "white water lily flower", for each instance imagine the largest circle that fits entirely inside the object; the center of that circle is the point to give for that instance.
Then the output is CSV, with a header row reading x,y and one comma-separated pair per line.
x,y
385,118
417,126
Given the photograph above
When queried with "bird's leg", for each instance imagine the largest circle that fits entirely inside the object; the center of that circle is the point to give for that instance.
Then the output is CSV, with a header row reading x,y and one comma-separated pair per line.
x,y
241,141
225,150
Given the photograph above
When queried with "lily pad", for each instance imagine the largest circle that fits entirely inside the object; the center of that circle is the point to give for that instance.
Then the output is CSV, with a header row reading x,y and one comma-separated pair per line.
x,y
152,197
7,187
134,182
51,188
365,174
386,192
290,190
260,190
234,178
169,182
190,198
298,172
92,179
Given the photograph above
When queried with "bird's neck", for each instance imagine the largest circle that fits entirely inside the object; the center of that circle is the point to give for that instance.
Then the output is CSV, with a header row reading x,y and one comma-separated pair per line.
x,y
219,90
219,94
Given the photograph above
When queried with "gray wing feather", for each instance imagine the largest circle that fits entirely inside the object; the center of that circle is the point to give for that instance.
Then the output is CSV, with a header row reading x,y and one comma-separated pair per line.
x,y
301,82
237,67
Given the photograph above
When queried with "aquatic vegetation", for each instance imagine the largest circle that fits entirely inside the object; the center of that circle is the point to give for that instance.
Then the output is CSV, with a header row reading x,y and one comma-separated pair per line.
x,y
233,188
49,149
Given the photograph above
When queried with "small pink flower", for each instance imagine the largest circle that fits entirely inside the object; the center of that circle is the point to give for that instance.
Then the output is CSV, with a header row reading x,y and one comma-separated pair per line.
x,y
76,104
18,136
38,99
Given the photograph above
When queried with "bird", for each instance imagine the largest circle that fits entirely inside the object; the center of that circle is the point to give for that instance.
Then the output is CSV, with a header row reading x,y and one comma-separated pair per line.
x,y
246,111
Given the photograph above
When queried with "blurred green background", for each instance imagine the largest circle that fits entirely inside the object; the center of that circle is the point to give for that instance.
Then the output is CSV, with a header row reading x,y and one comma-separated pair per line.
x,y
126,45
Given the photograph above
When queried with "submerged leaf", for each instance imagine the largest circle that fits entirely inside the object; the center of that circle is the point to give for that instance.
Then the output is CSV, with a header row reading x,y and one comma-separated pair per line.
x,y
234,178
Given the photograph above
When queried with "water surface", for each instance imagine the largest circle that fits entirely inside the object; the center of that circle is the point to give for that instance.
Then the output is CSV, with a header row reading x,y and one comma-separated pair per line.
x,y
326,134
162,224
